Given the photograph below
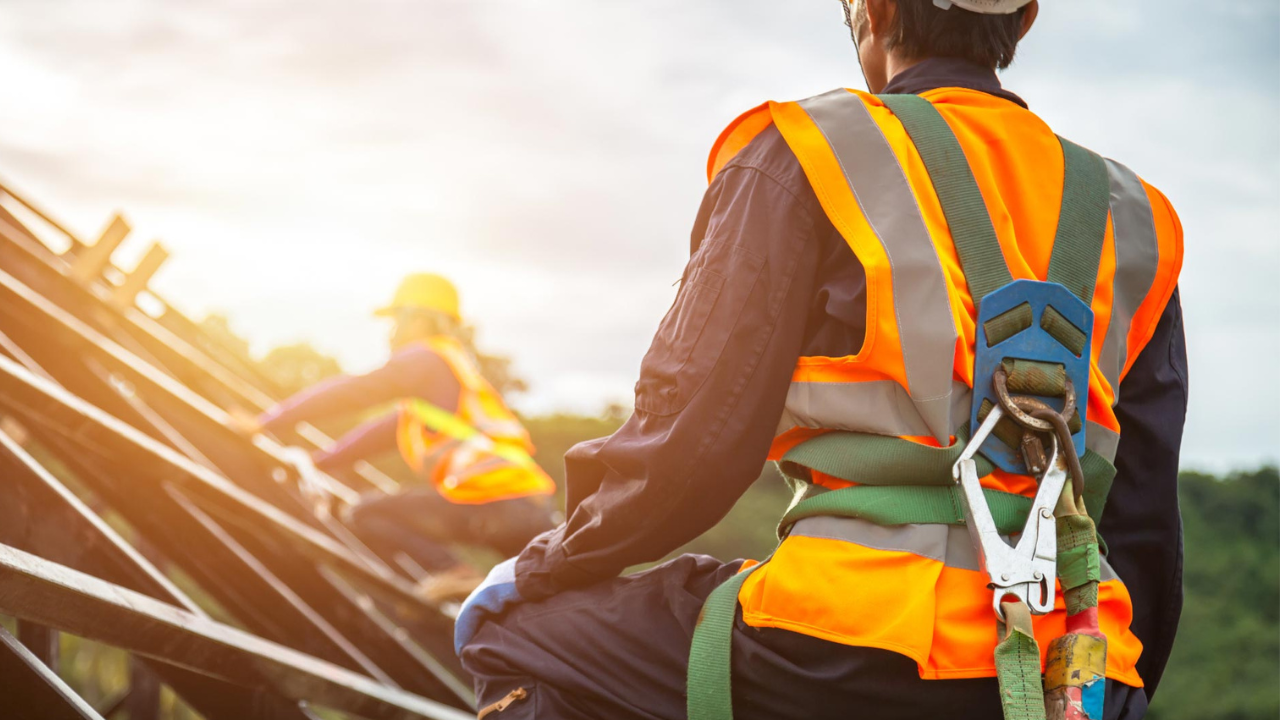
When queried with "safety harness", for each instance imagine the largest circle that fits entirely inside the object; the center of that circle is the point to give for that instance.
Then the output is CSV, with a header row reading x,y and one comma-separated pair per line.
x,y
1032,358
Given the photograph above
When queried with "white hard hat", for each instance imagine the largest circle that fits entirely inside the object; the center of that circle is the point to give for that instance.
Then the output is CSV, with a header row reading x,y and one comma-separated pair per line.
x,y
986,7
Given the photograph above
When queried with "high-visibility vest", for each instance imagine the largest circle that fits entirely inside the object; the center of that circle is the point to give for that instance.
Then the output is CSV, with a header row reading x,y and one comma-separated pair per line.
x,y
479,454
917,590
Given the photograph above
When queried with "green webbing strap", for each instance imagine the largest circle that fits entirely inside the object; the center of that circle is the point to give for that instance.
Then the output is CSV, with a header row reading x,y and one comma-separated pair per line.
x,y
709,693
1099,473
1061,329
869,459
967,217
885,466
1018,666
1082,222
1079,564
1008,323
907,505
1032,377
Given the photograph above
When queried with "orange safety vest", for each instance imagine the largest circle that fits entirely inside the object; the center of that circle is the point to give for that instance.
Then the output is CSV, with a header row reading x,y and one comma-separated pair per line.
x,y
917,589
479,454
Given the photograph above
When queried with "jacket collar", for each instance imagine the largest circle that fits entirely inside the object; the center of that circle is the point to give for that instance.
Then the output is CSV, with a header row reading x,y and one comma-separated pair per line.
x,y
934,73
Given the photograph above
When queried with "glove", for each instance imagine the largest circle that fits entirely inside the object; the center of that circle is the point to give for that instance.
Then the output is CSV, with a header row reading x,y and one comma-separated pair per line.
x,y
493,597
310,481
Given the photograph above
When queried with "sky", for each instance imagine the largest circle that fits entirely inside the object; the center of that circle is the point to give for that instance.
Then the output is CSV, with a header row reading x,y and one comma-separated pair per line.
x,y
298,157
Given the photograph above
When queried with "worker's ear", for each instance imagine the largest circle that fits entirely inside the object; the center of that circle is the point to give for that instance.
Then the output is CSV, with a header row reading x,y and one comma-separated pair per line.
x,y
1029,15
880,15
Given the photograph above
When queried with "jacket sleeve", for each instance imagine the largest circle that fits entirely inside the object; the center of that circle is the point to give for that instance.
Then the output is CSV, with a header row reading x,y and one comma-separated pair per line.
x,y
373,438
712,387
1141,524
415,371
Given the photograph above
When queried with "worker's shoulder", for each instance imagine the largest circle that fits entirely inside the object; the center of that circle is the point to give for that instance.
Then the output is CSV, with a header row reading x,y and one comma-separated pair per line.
x,y
768,155
415,359
1127,182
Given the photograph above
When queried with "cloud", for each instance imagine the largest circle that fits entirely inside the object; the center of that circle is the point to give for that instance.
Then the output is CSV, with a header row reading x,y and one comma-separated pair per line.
x,y
298,157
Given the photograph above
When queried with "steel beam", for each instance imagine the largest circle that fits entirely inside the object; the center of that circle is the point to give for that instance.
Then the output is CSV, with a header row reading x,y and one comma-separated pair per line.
x,y
35,589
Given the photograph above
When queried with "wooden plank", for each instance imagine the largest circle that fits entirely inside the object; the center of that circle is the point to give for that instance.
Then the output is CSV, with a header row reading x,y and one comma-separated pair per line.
x,y
35,589
19,384
41,641
92,260
130,448
139,372
39,494
29,689
136,281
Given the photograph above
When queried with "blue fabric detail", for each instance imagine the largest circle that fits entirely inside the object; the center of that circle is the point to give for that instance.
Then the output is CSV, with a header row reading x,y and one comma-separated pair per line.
x,y
492,598
1093,698
1030,344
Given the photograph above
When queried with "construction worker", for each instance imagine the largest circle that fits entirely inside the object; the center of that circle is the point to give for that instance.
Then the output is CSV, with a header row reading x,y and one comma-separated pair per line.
x,y
829,319
451,427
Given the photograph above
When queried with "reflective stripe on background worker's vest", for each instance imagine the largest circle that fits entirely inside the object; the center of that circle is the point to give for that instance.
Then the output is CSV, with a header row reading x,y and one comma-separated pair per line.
x,y
481,453
916,589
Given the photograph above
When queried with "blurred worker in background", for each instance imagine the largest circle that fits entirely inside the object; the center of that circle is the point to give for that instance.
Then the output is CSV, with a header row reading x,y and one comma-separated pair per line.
x,y
831,304
451,427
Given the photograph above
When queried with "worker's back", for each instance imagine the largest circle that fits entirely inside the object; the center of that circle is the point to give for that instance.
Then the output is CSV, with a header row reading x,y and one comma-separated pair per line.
x,y
826,293
918,590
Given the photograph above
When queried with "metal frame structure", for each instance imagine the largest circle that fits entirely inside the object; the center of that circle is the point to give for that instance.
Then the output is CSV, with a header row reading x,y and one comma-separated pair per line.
x,y
106,408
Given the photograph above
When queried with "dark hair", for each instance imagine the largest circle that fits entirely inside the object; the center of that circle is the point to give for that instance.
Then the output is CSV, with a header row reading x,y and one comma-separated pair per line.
x,y
921,29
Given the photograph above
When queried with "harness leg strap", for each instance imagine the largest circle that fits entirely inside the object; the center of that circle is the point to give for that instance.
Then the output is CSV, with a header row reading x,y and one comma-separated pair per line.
x,y
1018,665
709,692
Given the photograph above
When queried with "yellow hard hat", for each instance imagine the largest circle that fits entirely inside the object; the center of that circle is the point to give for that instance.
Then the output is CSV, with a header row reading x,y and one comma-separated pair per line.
x,y
424,291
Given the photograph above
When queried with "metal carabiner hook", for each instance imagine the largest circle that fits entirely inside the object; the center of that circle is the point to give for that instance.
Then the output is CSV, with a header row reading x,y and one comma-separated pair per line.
x,y
1027,570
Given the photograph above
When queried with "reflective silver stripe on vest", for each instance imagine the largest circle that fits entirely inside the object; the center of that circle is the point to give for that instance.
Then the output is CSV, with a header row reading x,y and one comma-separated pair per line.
x,y
922,309
1102,440
1137,261
948,544
880,407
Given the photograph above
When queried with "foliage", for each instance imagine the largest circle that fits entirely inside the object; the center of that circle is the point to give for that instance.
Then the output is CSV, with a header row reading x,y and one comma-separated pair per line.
x,y
750,529
553,435
298,366
495,368
218,328
1226,662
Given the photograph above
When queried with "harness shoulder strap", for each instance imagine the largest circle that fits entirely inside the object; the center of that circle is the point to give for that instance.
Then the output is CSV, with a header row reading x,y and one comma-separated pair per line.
x,y
1082,222
975,238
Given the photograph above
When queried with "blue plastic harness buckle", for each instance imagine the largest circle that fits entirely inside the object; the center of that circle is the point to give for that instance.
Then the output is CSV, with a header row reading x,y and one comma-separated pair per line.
x,y
1031,343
